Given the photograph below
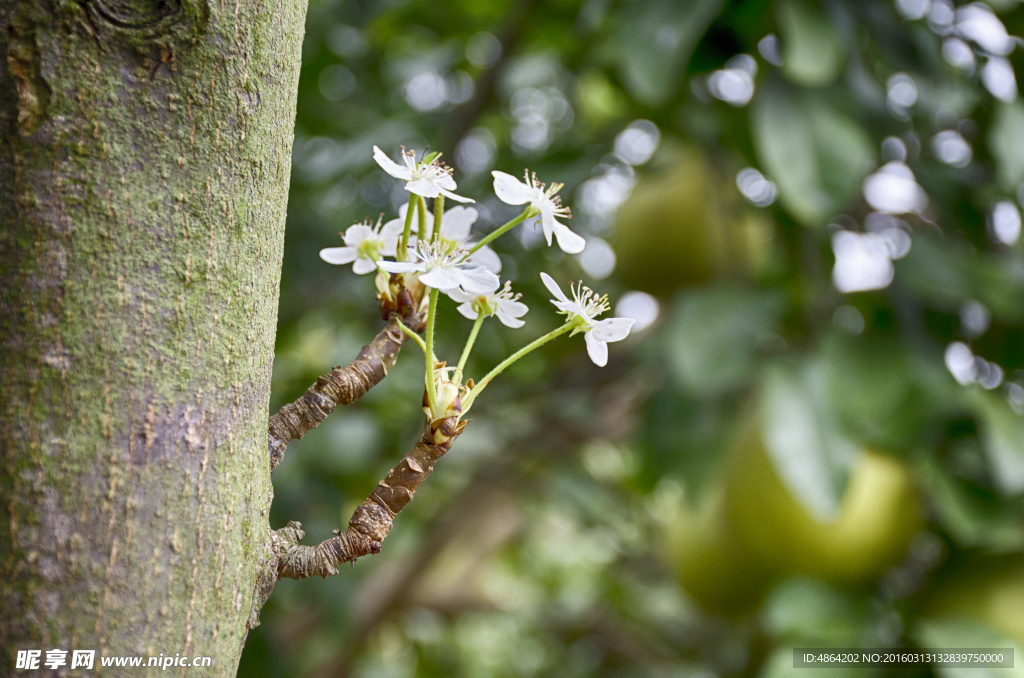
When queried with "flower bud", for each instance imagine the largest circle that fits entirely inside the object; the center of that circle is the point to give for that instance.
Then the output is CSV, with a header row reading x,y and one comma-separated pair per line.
x,y
449,402
383,285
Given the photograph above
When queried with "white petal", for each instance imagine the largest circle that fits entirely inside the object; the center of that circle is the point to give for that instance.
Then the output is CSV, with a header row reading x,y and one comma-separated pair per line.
x,y
461,296
571,243
597,349
339,255
467,310
547,220
390,166
394,228
391,234
422,187
441,279
457,222
510,190
487,258
553,287
356,234
446,182
363,266
569,307
478,280
456,198
612,329
515,309
400,266
509,312
509,320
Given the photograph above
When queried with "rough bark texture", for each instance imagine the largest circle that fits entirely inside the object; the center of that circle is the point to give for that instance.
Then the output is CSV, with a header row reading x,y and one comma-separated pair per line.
x,y
371,522
145,152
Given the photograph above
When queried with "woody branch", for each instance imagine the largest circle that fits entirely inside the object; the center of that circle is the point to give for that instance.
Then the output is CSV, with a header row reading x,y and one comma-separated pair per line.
x,y
372,520
345,385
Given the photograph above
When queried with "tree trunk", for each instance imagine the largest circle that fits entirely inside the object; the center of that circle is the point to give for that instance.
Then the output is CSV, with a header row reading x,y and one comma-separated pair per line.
x,y
144,172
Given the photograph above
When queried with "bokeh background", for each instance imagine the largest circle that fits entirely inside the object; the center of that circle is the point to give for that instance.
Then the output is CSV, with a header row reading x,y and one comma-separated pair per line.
x,y
814,435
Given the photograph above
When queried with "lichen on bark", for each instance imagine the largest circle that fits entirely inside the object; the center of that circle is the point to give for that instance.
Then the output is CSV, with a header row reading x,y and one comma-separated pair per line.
x,y
144,176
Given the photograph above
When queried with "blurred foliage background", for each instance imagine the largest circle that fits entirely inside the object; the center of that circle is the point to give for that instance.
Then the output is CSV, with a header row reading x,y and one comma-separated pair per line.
x,y
815,434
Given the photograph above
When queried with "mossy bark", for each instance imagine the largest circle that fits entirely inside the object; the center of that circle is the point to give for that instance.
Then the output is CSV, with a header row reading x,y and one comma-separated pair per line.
x,y
144,167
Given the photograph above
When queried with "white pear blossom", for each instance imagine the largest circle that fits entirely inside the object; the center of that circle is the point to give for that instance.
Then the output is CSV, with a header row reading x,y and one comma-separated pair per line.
x,y
501,303
428,179
514,192
456,224
365,245
444,269
587,305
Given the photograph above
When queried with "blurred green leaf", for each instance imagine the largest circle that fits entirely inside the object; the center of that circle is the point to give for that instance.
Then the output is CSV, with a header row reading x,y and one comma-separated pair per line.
x,y
812,46
686,437
1006,141
955,96
714,333
810,612
1002,432
809,453
871,405
599,100
655,39
948,273
817,156
972,516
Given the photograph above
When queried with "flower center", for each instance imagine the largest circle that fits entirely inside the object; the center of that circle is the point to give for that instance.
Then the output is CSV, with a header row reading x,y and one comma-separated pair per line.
x,y
547,196
589,301
370,248
440,254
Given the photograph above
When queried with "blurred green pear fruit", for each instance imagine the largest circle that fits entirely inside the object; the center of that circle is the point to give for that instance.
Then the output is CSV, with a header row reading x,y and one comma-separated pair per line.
x,y
686,224
879,515
987,590
713,565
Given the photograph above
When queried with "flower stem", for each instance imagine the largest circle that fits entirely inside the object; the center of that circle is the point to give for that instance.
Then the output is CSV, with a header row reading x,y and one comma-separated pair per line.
x,y
575,322
421,214
412,335
500,231
469,342
406,231
428,350
435,235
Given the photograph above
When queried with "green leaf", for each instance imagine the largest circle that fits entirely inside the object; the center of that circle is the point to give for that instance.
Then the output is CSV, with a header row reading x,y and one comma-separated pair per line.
x,y
1002,433
687,437
810,454
880,411
812,48
714,333
947,274
1006,141
817,156
974,518
655,40
810,612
